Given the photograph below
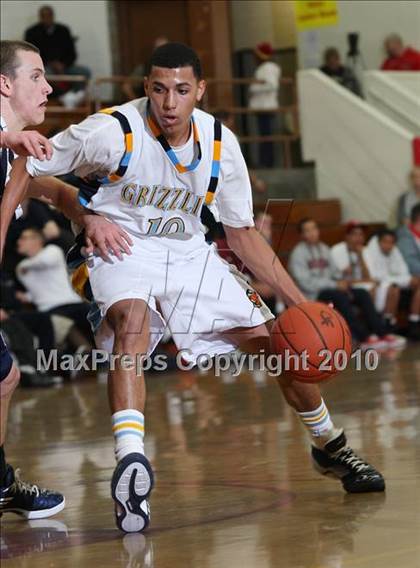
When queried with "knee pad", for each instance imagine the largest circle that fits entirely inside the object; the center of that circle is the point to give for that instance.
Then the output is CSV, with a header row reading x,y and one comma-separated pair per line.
x,y
10,382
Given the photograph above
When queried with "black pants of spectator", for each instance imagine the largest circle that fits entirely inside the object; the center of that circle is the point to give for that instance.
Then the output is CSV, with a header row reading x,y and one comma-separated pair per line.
x,y
78,314
40,325
265,123
20,341
344,302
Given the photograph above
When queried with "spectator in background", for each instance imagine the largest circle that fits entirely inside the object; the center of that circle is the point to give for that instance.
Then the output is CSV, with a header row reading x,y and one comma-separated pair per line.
x,y
409,199
58,52
387,266
135,89
44,275
35,213
409,241
264,96
400,58
343,75
312,266
348,257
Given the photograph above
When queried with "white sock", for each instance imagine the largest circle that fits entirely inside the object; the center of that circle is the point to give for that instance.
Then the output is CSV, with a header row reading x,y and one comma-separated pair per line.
x,y
319,425
128,429
415,318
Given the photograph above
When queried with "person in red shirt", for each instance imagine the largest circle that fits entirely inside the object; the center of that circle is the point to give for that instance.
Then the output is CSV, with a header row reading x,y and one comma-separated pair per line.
x,y
400,58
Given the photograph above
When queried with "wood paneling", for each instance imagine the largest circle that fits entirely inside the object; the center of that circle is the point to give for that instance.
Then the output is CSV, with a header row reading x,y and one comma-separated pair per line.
x,y
204,25
140,23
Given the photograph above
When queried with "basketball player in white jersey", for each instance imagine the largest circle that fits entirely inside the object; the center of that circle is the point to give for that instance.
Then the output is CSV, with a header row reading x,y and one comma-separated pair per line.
x,y
154,162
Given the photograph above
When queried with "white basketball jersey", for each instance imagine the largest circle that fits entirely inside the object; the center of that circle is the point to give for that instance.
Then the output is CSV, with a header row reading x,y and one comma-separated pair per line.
x,y
152,195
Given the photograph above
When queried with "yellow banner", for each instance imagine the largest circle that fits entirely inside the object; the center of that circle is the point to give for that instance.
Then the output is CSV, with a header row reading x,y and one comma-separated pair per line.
x,y
312,14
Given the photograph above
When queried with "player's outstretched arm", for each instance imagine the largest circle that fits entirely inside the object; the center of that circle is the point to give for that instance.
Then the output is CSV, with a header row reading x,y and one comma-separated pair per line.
x,y
14,193
101,234
259,257
27,143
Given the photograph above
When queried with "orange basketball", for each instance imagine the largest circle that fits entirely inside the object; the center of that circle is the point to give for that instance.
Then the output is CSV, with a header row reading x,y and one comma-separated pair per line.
x,y
316,333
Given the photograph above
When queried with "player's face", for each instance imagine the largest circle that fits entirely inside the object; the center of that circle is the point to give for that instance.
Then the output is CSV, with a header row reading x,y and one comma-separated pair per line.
x,y
28,91
173,94
310,232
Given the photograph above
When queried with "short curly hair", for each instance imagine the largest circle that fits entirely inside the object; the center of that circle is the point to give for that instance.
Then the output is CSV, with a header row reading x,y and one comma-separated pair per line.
x,y
172,55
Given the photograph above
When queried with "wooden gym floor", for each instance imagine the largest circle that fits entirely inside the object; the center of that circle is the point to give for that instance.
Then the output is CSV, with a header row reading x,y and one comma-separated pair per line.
x,y
234,485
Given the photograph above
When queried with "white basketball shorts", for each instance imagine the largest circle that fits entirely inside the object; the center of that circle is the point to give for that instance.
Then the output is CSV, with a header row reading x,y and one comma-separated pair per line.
x,y
196,296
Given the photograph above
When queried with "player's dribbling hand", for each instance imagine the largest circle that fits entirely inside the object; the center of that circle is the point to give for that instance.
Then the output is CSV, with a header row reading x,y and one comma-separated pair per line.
x,y
28,143
105,237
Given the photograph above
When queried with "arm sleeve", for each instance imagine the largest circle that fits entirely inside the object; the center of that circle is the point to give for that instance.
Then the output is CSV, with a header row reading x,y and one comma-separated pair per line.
x,y
271,77
335,272
68,51
339,257
50,256
96,145
233,201
376,268
403,276
409,250
29,36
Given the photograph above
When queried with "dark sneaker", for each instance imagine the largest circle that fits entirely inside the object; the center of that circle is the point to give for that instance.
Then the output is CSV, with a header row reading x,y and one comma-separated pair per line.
x,y
339,460
131,484
17,496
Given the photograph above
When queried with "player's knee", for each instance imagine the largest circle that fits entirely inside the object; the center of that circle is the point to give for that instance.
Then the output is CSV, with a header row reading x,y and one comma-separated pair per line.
x,y
130,334
10,382
130,325
135,342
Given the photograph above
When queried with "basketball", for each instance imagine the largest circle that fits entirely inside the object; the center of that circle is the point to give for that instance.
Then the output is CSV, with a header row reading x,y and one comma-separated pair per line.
x,y
319,335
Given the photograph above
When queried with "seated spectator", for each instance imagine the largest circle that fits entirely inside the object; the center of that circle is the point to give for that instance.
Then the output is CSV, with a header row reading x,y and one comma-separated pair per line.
x,y
343,75
409,199
387,265
409,241
135,89
400,58
56,46
44,275
54,226
348,257
312,266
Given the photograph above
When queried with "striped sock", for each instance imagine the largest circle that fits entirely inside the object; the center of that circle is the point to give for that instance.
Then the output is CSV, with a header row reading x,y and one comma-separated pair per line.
x,y
128,429
318,423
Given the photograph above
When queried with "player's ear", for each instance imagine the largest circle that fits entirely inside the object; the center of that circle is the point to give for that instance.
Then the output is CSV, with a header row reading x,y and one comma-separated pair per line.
x,y
146,85
5,85
201,89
